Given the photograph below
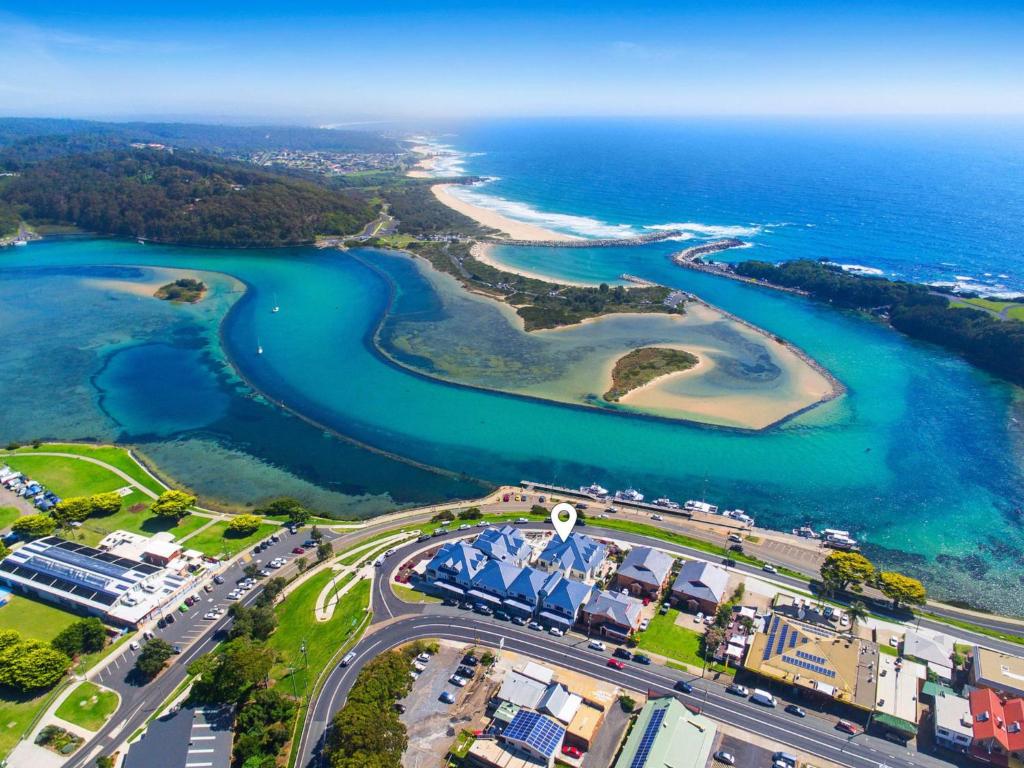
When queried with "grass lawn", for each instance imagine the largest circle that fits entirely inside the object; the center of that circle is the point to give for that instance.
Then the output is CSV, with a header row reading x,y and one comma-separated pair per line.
x,y
1014,309
33,618
110,454
67,477
16,713
297,624
665,638
7,516
410,595
215,540
88,706
95,528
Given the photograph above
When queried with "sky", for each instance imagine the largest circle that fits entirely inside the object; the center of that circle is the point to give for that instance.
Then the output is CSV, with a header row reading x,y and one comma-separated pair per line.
x,y
336,62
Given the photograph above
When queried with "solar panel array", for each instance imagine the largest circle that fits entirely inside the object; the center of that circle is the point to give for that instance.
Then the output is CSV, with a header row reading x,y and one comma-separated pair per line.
x,y
56,583
535,730
650,734
771,638
811,657
809,666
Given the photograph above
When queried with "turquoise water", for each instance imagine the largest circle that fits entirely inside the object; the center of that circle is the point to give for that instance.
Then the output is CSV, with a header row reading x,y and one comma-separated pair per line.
x,y
922,458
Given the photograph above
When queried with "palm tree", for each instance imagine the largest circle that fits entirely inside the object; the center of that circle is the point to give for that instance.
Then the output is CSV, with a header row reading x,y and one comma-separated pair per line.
x,y
857,612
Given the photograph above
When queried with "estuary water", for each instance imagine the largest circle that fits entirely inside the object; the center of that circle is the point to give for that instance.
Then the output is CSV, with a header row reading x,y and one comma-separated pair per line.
x,y
921,458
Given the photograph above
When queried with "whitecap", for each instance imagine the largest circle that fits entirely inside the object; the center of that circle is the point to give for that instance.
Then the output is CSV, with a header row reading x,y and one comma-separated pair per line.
x,y
859,269
709,230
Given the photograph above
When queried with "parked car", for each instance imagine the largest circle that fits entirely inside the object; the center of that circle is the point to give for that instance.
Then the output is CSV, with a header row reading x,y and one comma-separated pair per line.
x,y
615,664
848,727
419,666
501,616
728,562
657,517
663,609
640,658
470,660
133,645
644,625
785,758
457,681
764,698
298,551
570,751
519,621
535,625
446,697
735,537
596,645
622,653
423,657
556,632
793,709
483,610
682,685
737,690
724,757
466,672
218,579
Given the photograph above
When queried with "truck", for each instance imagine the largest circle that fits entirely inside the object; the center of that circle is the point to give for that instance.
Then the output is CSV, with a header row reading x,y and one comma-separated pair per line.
x,y
763,698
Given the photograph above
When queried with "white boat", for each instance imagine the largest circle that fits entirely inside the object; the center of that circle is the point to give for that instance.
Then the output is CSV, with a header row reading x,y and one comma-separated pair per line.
x,y
630,494
594,490
700,506
259,347
21,242
666,503
806,532
276,307
739,514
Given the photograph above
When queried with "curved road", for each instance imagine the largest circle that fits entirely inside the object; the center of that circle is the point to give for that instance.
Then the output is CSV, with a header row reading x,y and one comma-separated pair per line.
x,y
398,622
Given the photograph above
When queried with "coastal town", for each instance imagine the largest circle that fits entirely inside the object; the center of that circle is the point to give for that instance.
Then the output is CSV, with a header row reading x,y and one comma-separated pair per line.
x,y
660,630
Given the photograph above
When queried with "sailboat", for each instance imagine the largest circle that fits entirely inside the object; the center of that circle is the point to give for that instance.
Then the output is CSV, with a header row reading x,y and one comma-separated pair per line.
x,y
276,308
259,346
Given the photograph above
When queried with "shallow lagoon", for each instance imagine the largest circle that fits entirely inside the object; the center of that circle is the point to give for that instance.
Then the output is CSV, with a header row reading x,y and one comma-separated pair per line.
x,y
921,457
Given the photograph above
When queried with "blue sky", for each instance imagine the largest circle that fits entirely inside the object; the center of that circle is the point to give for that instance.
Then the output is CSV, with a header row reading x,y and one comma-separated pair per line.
x,y
336,62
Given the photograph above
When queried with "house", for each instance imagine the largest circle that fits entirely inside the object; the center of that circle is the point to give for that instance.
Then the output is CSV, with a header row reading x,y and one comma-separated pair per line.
x,y
506,544
668,735
998,727
700,586
521,691
954,725
999,671
454,567
491,583
558,702
612,614
561,603
579,556
644,572
534,735
934,649
527,590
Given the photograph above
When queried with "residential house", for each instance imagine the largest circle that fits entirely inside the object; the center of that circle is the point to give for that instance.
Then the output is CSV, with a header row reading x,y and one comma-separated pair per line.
x,y
506,544
934,649
578,557
612,614
998,727
561,602
644,572
700,586
491,584
954,725
455,566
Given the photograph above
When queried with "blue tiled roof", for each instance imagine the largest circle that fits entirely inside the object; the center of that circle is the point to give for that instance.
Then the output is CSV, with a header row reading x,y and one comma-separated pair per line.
x,y
506,544
529,584
496,577
459,561
566,596
578,552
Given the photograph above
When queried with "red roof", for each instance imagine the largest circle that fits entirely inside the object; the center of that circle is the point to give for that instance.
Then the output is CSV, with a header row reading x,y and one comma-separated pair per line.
x,y
995,719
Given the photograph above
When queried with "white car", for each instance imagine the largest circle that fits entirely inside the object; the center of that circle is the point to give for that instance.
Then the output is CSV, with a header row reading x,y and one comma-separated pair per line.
x,y
211,615
596,645
133,645
233,595
556,632
644,624
769,568
657,517
419,666
457,680
423,658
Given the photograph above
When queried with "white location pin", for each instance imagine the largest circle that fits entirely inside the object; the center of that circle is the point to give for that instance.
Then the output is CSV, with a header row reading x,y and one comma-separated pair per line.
x,y
563,517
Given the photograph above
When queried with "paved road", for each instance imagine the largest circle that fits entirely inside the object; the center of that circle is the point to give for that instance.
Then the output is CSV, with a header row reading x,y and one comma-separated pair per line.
x,y
815,735
138,702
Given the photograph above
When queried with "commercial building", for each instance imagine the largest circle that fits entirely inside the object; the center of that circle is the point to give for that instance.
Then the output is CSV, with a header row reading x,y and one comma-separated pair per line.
x,y
700,586
999,671
578,557
120,590
834,666
934,649
506,544
644,572
612,614
534,735
667,735
897,692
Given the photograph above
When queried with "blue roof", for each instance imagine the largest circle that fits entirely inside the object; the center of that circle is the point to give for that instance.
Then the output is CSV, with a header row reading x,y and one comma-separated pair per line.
x,y
529,584
506,544
578,552
496,577
567,595
458,560
532,729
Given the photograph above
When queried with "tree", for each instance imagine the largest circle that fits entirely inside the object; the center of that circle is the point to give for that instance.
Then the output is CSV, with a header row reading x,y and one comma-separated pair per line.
x,y
858,612
229,674
256,623
74,509
34,526
902,590
82,636
271,589
445,516
29,665
841,569
473,513
9,637
243,525
106,503
252,570
174,504
291,509
301,563
4,550
323,551
152,657
316,534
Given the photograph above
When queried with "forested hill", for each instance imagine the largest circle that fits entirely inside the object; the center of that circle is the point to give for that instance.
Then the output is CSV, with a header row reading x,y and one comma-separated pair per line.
x,y
988,342
182,198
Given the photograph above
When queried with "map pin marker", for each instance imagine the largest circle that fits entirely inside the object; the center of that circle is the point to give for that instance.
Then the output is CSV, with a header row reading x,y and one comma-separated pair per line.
x,y
563,517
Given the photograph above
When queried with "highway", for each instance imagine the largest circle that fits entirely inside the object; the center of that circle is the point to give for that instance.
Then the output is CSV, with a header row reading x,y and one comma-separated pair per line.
x,y
398,622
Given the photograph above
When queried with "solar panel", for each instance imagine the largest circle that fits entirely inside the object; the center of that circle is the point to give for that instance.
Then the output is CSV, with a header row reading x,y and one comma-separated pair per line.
x,y
536,731
782,638
647,741
771,638
811,657
793,638
810,667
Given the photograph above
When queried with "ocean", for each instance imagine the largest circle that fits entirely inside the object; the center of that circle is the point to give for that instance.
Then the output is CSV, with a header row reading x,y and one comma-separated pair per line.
x,y
922,458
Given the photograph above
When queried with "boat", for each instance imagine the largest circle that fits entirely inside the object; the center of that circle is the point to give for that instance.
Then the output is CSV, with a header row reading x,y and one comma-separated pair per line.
x,y
806,532
630,494
837,539
21,242
259,347
740,515
276,307
140,241
700,506
594,490
666,503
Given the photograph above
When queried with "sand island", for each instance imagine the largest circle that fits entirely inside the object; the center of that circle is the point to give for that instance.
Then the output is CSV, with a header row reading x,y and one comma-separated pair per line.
x,y
184,290
644,366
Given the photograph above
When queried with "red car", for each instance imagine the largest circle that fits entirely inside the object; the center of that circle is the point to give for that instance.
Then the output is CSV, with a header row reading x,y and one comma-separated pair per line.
x,y
298,551
616,663
850,728
571,751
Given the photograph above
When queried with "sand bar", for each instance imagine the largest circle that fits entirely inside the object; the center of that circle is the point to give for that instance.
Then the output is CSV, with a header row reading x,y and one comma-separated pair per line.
x,y
517,230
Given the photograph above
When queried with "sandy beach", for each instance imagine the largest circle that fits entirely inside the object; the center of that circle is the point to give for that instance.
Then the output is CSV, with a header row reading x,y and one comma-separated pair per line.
x,y
484,252
517,230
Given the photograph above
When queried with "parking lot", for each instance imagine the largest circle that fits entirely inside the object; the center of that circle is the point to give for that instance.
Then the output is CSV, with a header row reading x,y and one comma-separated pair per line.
x,y
746,754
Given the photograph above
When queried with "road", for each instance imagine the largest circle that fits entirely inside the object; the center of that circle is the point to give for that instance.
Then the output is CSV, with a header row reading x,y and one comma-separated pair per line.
x,y
138,702
404,622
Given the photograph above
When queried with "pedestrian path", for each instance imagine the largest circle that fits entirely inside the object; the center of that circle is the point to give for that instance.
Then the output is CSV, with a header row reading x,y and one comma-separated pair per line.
x,y
332,593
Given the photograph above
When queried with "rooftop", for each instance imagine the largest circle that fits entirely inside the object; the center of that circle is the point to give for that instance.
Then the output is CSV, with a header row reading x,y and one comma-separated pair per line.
x,y
954,714
647,565
703,581
998,720
535,732
578,552
615,607
667,735
506,544
899,682
998,671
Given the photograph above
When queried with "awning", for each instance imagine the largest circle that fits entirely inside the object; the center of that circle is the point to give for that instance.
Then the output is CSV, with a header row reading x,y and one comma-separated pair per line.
x,y
556,618
484,596
894,723
519,606
449,587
